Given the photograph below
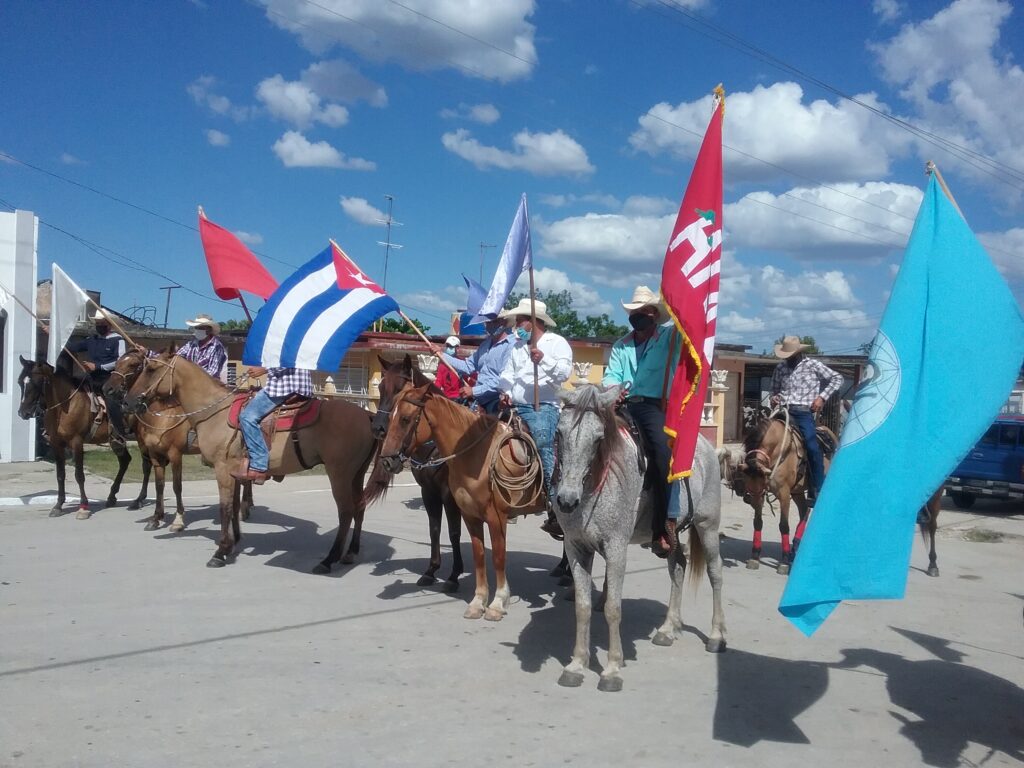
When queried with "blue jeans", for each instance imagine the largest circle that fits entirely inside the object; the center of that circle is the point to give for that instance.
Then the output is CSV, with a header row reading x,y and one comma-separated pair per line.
x,y
249,421
804,421
542,425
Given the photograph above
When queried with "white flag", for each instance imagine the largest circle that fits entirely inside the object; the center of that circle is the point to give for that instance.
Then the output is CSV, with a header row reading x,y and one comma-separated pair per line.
x,y
515,259
67,306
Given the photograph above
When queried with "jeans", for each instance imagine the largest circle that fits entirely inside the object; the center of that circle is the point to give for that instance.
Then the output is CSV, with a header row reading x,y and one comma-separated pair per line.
x,y
804,421
542,425
650,420
249,420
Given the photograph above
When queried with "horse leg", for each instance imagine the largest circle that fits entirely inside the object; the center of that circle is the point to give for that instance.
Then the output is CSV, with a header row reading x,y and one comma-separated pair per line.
x,y
179,509
435,509
78,451
343,501
932,525
755,552
787,552
236,506
615,574
124,458
159,475
58,458
562,568
673,624
708,539
582,564
147,467
451,511
499,606
475,610
226,485
246,508
804,513
352,552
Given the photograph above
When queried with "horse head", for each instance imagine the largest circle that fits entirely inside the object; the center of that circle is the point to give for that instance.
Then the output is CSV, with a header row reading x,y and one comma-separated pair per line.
x,y
749,470
394,376
126,371
156,379
407,430
33,380
586,436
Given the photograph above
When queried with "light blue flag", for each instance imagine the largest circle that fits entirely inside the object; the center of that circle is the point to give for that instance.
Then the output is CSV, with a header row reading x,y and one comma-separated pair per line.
x,y
515,259
476,296
945,358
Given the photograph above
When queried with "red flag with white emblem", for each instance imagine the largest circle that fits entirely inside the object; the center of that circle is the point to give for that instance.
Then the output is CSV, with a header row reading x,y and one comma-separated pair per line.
x,y
689,287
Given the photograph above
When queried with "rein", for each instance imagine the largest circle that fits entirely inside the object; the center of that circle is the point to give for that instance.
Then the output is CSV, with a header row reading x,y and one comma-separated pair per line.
x,y
430,463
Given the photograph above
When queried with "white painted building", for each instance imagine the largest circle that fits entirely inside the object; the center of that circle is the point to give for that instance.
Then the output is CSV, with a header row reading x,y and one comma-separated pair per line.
x,y
19,235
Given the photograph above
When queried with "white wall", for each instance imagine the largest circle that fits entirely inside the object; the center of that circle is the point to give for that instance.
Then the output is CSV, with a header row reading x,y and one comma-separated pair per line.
x,y
19,234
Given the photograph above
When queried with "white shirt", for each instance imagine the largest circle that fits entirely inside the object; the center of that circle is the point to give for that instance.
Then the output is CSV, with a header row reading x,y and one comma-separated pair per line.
x,y
554,370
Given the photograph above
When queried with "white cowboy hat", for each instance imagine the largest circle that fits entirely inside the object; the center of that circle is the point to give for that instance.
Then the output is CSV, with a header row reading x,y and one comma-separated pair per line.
x,y
452,341
204,319
644,297
523,308
790,346
99,317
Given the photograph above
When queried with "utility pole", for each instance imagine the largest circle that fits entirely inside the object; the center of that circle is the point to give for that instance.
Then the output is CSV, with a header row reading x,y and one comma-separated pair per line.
x,y
482,246
388,245
167,307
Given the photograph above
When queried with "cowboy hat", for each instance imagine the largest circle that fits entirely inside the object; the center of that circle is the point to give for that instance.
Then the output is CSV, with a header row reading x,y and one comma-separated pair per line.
x,y
790,346
452,341
644,297
523,308
99,317
204,319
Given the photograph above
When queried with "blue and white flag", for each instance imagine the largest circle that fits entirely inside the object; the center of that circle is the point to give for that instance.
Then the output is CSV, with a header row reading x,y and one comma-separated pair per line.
x,y
515,259
475,297
314,316
948,350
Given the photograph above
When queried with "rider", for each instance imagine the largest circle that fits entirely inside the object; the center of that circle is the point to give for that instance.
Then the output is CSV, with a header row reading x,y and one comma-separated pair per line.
x,y
803,384
638,364
103,349
447,380
282,383
487,363
205,349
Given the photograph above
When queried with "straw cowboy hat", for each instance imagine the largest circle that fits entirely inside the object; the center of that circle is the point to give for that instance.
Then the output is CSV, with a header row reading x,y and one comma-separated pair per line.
x,y
644,297
99,317
790,346
523,308
204,319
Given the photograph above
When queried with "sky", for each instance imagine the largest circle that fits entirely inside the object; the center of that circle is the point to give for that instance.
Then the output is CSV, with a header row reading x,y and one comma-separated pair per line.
x,y
296,121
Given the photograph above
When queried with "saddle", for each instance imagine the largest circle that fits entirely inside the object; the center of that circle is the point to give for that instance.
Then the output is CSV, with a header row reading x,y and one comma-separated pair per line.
x,y
293,415
826,440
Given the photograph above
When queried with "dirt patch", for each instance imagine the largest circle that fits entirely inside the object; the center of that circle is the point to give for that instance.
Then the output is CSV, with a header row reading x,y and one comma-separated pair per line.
x,y
982,536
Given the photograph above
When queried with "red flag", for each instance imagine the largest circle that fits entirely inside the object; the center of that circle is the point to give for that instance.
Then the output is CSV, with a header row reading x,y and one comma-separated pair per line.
x,y
233,268
689,286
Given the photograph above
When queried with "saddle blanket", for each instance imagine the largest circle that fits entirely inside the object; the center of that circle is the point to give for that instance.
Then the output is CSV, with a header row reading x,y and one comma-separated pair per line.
x,y
287,417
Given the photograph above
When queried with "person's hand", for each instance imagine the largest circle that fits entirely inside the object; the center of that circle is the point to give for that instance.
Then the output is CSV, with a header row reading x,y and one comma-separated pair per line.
x,y
90,367
504,400
466,391
623,394
256,371
536,355
775,400
817,405
141,349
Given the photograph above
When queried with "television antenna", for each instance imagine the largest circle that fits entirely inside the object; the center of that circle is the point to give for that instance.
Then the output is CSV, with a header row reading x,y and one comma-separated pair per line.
x,y
388,245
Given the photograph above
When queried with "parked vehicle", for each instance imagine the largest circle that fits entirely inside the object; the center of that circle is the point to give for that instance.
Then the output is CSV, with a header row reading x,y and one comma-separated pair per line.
x,y
995,466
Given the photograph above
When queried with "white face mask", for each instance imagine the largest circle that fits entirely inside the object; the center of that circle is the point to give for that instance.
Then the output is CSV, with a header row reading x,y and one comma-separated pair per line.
x,y
199,334
450,350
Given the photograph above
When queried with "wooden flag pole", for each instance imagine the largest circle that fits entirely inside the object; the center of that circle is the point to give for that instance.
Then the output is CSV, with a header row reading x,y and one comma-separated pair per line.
x,y
44,326
430,345
931,168
533,344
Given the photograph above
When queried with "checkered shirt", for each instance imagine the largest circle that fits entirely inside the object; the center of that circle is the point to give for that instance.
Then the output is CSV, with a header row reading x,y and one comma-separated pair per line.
x,y
800,385
282,382
210,357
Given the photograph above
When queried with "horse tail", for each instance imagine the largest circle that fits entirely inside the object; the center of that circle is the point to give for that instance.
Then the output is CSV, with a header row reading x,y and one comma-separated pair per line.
x,y
698,557
377,483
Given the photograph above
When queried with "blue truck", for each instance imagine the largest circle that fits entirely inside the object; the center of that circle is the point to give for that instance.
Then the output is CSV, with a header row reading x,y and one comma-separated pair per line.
x,y
995,466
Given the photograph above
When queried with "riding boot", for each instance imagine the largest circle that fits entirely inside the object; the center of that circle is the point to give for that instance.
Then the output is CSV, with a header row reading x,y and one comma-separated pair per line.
x,y
552,527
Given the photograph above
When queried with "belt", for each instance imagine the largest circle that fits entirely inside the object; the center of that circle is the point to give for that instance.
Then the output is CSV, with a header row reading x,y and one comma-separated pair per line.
x,y
643,399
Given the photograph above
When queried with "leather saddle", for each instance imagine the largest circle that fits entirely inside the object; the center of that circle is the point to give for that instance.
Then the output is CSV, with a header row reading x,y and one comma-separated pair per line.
x,y
294,414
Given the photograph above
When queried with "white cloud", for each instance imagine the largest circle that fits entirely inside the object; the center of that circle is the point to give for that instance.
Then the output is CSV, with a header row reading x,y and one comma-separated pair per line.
x,y
487,114
887,10
359,210
249,238
819,139
202,92
643,205
585,300
337,80
68,159
217,138
542,154
421,35
594,198
296,151
1007,251
298,104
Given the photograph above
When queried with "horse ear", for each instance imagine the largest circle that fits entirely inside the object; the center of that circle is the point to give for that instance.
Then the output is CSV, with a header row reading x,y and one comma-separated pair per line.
x,y
407,365
609,397
25,363
384,364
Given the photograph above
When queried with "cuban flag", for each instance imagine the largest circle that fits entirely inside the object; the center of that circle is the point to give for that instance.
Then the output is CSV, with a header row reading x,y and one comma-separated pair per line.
x,y
314,316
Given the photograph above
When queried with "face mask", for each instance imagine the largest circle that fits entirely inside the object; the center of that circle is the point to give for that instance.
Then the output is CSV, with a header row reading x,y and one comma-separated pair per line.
x,y
200,335
450,350
641,322
102,330
522,334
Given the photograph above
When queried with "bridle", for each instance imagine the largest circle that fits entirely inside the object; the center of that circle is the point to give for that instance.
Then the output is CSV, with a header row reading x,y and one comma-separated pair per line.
x,y
405,448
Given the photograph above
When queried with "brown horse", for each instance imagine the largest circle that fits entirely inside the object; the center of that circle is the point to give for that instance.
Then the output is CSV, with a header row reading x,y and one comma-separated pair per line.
x,y
206,402
928,522
162,434
69,422
433,480
492,475
772,460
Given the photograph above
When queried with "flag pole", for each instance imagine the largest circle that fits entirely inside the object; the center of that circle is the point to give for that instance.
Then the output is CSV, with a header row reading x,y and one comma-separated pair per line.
x,y
44,326
930,168
202,215
110,320
430,345
533,344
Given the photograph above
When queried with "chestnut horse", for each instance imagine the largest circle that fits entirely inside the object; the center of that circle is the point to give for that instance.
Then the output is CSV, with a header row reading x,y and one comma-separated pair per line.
x,y
772,460
340,440
68,420
433,480
493,474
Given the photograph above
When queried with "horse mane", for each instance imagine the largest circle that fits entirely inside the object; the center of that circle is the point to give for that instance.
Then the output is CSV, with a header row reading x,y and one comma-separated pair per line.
x,y
756,435
586,401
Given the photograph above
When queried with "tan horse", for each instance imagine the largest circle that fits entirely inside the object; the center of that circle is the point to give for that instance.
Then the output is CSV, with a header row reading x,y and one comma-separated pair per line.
x,y
340,440
66,409
162,434
478,449
772,460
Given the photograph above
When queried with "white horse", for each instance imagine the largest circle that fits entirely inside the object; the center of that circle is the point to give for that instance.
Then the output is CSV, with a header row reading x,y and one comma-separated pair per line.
x,y
600,505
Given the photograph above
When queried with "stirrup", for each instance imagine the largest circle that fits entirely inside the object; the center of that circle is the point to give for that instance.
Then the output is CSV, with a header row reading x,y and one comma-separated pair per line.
x,y
551,527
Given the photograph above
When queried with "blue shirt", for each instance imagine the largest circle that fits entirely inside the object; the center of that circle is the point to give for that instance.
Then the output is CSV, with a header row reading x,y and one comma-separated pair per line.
x,y
643,367
487,362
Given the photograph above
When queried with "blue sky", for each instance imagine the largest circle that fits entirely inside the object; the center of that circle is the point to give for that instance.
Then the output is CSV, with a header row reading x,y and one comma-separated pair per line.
x,y
290,120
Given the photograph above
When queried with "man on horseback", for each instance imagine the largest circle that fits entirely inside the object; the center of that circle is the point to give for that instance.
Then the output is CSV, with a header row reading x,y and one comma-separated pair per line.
x,y
537,349
802,385
487,363
282,383
205,349
103,349
638,365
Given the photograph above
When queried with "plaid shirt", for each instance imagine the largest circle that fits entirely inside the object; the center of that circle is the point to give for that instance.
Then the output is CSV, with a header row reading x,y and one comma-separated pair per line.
x,y
800,385
282,382
210,357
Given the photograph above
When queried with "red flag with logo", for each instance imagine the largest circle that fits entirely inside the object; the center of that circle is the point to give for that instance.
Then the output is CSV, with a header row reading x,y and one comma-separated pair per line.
x,y
689,287
233,267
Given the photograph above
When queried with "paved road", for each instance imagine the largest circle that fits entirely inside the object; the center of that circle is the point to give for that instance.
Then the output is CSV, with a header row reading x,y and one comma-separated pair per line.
x,y
119,648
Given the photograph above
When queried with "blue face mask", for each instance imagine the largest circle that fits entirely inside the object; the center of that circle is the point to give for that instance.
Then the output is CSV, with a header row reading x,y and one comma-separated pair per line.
x,y
522,334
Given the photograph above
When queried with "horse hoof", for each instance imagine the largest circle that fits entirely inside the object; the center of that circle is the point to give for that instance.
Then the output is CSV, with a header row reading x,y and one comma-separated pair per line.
x,y
83,514
135,505
111,502
425,580
610,684
570,679
663,639
57,512
473,612
450,586
348,559
715,645
215,562
753,565
783,569
321,569
565,581
151,525
494,614
176,527
243,515
933,570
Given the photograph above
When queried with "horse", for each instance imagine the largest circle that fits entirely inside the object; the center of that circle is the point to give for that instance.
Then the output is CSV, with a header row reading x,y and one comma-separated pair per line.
x,y
493,473
433,480
772,460
162,435
206,402
928,522
602,507
66,408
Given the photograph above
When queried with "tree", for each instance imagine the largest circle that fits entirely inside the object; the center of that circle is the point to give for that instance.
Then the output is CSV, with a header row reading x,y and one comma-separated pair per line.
x,y
812,345
570,325
236,325
392,325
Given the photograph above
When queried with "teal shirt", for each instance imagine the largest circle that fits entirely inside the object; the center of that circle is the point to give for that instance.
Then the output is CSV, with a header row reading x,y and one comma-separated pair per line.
x,y
644,368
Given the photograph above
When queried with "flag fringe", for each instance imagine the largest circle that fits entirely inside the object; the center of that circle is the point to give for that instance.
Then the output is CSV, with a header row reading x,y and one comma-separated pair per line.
x,y
693,387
